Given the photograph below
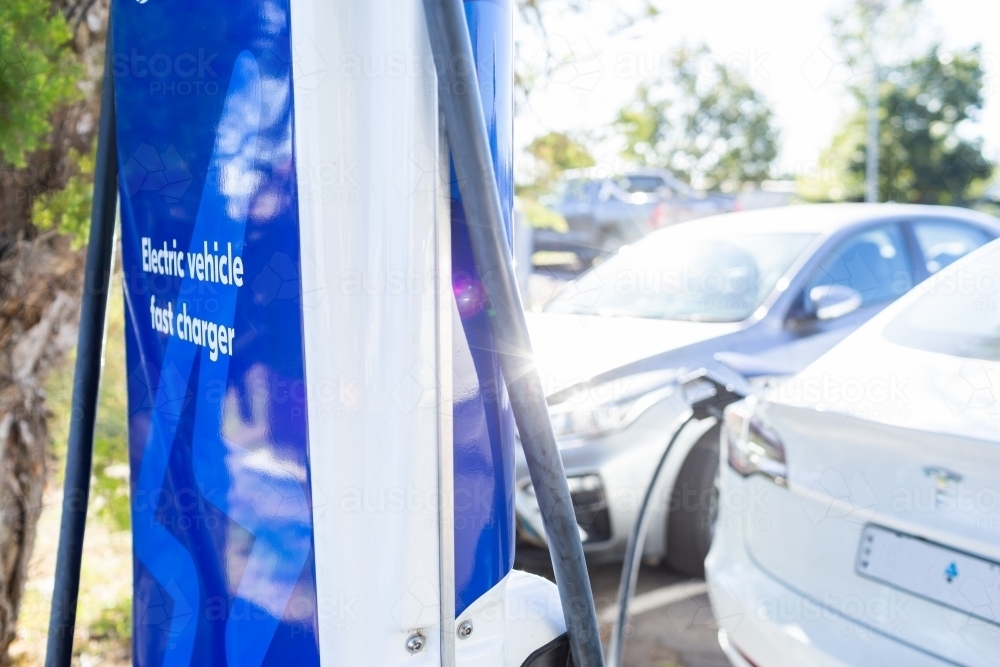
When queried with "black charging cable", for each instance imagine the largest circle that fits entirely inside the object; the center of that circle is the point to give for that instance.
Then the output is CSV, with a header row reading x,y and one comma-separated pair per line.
x,y
723,393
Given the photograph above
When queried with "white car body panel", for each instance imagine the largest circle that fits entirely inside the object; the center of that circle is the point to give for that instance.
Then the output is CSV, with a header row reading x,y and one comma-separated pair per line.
x,y
875,434
776,626
872,379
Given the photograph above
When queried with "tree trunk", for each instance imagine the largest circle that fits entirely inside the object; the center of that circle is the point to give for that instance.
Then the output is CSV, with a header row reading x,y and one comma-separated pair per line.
x,y
40,288
39,304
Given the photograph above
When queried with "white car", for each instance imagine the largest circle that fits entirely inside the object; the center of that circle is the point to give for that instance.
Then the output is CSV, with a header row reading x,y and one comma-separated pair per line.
x,y
859,519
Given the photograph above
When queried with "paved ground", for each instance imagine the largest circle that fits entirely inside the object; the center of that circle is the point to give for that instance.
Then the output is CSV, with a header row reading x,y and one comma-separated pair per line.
x,y
681,634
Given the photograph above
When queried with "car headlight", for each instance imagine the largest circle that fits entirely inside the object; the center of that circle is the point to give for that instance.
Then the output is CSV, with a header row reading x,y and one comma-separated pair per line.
x,y
608,407
753,448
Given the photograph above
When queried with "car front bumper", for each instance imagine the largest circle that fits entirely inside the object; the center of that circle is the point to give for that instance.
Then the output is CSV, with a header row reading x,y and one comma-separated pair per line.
x,y
623,462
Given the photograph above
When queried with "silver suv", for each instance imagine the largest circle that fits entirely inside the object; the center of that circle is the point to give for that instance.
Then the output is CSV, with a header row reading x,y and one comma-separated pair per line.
x,y
606,213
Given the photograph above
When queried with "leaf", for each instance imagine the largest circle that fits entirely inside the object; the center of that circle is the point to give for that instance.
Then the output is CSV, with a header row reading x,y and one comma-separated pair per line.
x,y
705,122
38,73
68,210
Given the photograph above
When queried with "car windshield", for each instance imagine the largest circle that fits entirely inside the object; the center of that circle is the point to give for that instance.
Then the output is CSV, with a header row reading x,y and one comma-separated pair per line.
x,y
695,272
959,316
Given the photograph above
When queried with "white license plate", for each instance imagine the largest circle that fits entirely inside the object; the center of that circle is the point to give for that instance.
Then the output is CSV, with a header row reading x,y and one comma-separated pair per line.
x,y
958,580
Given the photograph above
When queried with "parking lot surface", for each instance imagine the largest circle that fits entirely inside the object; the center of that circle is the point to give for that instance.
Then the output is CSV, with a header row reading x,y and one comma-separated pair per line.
x,y
674,626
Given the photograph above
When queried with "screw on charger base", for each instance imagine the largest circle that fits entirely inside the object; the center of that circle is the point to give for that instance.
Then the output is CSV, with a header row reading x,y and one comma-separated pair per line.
x,y
416,642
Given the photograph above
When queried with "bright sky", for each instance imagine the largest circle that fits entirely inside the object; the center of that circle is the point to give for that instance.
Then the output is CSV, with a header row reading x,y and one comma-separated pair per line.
x,y
783,46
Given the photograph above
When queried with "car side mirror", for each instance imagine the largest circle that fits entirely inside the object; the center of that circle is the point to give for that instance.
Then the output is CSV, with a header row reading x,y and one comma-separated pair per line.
x,y
833,301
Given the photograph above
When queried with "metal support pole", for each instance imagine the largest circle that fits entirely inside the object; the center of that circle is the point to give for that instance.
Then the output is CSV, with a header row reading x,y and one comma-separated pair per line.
x,y
871,167
86,380
873,11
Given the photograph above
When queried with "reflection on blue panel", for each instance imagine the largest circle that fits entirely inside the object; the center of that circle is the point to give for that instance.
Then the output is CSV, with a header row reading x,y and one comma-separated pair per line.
x,y
221,511
483,422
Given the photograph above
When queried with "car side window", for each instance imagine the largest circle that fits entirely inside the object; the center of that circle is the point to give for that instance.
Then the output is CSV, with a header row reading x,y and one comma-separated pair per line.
x,y
942,242
873,263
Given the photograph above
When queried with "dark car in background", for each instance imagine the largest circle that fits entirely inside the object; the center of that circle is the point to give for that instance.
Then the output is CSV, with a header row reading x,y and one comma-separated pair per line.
x,y
603,214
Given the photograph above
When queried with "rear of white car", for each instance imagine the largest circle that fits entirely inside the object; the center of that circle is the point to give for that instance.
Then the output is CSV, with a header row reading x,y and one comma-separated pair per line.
x,y
860,501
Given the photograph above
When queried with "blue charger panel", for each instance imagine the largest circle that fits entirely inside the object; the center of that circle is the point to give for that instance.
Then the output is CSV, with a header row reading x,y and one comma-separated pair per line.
x,y
221,507
483,421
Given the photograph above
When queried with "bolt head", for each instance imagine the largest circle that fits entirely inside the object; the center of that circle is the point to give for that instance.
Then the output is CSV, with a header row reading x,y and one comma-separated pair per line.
x,y
416,642
465,629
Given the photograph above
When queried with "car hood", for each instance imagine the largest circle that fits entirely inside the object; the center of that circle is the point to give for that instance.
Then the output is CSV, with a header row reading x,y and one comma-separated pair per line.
x,y
574,348
873,379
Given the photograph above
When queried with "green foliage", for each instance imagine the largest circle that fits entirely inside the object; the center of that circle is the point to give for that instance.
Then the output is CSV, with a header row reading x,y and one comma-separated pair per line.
x,y
110,483
642,124
68,210
879,30
38,73
541,216
114,622
706,123
927,107
560,152
554,154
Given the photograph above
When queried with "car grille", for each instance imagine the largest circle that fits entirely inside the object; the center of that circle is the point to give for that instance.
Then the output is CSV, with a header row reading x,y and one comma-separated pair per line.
x,y
591,507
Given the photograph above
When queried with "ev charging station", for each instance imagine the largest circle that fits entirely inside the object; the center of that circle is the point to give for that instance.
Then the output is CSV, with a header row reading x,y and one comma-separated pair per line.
x,y
321,437
307,347
325,345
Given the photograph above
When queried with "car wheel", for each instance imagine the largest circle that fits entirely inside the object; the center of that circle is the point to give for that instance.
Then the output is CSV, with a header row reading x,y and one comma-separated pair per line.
x,y
694,506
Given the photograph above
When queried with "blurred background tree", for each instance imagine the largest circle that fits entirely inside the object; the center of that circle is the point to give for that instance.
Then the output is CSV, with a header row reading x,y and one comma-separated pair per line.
x,y
37,74
929,154
926,100
540,55
50,66
554,154
551,155
538,17
705,122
